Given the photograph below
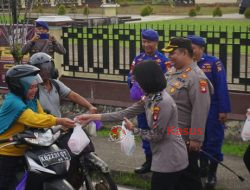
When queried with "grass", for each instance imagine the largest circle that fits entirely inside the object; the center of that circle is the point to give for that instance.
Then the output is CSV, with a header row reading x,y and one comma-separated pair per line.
x,y
228,148
234,148
157,9
132,180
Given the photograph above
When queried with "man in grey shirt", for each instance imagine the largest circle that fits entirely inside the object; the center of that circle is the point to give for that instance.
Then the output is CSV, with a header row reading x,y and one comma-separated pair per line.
x,y
51,90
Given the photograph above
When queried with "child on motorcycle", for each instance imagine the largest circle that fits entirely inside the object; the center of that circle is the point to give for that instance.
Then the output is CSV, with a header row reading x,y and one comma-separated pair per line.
x,y
21,109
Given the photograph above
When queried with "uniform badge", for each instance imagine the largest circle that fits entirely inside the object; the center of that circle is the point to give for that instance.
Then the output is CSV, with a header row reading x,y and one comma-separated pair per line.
x,y
172,90
177,84
156,111
188,69
158,60
184,75
203,86
219,67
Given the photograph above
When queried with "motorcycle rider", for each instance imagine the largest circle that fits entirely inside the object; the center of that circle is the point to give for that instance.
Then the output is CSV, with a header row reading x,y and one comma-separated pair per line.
x,y
50,93
21,109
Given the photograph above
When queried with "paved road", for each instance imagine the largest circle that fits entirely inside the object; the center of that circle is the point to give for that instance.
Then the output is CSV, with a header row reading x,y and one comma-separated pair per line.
x,y
110,152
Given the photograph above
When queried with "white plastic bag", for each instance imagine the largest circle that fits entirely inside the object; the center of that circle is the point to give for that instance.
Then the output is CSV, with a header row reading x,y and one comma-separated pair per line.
x,y
128,142
91,128
78,140
245,133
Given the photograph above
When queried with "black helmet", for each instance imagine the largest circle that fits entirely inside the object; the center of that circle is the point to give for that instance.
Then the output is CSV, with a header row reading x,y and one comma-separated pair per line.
x,y
44,62
14,74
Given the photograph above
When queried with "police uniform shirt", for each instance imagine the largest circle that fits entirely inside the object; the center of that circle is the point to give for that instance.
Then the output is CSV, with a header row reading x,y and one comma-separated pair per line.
x,y
168,149
191,91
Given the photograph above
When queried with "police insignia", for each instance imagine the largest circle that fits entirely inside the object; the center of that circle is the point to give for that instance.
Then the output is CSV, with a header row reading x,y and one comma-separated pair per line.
x,y
188,69
158,60
184,75
219,68
172,90
203,86
177,84
156,111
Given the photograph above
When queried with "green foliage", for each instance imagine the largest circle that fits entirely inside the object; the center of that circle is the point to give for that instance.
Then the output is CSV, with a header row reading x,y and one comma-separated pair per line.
x,y
16,52
86,11
217,12
148,10
61,10
192,12
247,13
198,8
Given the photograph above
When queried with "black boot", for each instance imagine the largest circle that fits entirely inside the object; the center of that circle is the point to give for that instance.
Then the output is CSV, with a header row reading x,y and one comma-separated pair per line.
x,y
211,178
204,167
145,168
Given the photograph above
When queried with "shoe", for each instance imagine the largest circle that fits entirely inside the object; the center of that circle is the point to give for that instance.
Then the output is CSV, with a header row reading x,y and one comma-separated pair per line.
x,y
145,168
211,182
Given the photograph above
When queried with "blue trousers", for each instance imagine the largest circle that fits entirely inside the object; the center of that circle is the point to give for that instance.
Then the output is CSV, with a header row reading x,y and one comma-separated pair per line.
x,y
214,134
142,123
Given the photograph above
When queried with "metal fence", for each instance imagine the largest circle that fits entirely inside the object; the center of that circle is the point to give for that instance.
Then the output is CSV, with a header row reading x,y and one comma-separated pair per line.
x,y
106,52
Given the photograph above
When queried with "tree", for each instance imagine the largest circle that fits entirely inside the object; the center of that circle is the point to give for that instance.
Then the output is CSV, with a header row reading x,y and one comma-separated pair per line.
x,y
14,26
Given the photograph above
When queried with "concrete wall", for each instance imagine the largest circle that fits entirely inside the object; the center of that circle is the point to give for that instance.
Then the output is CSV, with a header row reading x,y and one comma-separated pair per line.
x,y
214,1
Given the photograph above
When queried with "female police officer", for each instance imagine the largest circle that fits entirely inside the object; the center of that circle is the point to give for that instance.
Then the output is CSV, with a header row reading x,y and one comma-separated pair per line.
x,y
169,153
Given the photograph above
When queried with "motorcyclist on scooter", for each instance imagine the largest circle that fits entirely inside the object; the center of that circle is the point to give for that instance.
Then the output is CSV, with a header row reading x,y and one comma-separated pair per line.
x,y
21,109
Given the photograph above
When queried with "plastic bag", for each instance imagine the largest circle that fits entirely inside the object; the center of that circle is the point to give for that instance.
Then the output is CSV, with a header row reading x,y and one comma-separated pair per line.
x,y
245,133
78,140
128,142
91,128
136,92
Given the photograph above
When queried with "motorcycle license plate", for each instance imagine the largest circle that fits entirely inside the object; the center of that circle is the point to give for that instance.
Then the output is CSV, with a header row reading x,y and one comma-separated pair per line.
x,y
54,157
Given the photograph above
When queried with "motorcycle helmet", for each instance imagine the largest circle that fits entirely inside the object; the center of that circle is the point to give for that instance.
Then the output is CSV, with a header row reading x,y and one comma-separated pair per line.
x,y
46,64
19,73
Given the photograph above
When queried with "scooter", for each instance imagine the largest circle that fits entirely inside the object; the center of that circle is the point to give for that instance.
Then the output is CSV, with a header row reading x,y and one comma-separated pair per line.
x,y
46,163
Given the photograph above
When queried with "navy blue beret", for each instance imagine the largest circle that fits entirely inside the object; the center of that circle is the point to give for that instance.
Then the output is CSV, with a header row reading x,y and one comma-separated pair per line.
x,y
197,40
150,34
42,24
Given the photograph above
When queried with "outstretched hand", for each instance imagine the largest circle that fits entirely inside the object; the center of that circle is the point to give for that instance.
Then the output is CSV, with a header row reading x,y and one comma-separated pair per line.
x,y
128,124
85,118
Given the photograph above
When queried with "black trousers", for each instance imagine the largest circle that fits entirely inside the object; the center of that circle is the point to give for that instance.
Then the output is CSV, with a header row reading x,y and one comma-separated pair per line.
x,y
165,181
190,178
9,166
246,158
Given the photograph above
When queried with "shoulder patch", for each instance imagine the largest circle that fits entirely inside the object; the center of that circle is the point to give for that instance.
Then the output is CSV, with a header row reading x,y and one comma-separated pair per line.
x,y
156,111
203,86
218,66
188,69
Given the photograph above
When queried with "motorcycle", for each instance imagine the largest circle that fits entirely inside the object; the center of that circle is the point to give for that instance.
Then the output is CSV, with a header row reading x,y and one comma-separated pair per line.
x,y
48,161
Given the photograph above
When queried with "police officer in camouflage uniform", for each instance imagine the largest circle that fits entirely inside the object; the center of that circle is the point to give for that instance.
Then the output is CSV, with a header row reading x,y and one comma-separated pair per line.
x,y
190,89
220,106
149,43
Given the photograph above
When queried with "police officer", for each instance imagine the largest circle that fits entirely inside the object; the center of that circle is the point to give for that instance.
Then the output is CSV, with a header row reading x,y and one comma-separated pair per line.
x,y
190,89
220,106
169,151
149,43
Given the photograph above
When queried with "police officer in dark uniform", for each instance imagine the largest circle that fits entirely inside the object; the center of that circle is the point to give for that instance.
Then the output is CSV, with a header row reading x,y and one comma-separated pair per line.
x,y
149,42
220,106
190,88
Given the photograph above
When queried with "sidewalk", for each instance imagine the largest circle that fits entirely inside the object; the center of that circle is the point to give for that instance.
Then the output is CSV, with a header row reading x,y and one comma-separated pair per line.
x,y
111,154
